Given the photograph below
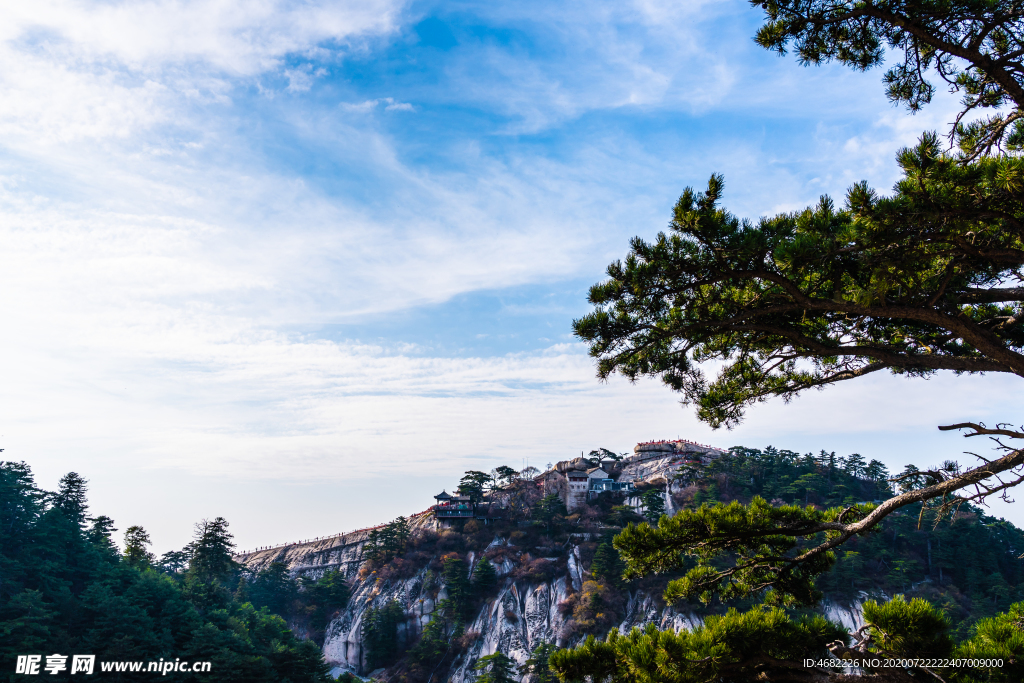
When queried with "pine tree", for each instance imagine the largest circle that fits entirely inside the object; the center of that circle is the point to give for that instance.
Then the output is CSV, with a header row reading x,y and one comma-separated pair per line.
x,y
101,531
756,645
914,283
135,554
325,597
174,561
505,475
485,578
211,552
435,645
537,665
496,668
456,583
607,566
273,587
654,505
387,542
996,638
473,484
876,471
66,587
548,511
855,464
72,499
380,634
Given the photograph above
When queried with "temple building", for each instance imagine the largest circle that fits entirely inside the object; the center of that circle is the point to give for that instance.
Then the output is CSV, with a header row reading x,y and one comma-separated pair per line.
x,y
451,509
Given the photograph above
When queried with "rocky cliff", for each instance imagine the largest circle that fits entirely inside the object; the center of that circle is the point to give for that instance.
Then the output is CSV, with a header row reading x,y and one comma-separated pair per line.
x,y
523,614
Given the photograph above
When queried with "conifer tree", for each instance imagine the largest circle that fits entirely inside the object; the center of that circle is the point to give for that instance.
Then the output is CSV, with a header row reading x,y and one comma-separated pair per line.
x,y
916,283
548,511
473,484
654,505
65,587
135,541
855,464
456,583
72,497
495,668
762,644
101,530
607,566
537,665
174,561
273,587
211,552
505,475
997,638
326,596
485,578
380,634
388,541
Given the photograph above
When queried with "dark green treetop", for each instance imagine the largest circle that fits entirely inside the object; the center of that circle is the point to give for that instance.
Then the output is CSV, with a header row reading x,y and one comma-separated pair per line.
x,y
603,454
911,284
101,530
548,511
766,644
388,541
997,638
135,541
495,668
66,587
538,665
460,591
379,633
505,475
473,484
72,497
759,536
607,566
654,505
211,551
485,578
974,46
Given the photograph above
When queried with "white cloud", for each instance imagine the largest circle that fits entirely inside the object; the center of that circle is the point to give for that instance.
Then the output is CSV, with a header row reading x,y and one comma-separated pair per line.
x,y
390,104
155,257
244,38
90,70
398,106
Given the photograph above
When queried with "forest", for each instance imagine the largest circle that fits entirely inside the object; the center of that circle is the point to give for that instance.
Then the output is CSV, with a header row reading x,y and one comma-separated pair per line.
x,y
67,587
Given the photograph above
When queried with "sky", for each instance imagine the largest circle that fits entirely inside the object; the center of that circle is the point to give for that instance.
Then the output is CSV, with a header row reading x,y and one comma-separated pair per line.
x,y
301,264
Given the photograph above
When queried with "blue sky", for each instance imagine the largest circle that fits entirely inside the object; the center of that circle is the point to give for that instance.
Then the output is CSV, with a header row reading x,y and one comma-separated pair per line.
x,y
301,264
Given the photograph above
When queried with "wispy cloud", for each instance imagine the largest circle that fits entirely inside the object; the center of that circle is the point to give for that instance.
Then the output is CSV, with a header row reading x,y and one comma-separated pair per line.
x,y
389,104
184,185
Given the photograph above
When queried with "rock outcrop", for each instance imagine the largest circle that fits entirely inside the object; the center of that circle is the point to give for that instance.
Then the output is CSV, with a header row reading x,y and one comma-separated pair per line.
x,y
522,615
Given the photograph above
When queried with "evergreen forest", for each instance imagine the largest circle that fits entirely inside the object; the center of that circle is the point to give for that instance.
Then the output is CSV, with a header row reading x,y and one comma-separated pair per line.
x,y
66,588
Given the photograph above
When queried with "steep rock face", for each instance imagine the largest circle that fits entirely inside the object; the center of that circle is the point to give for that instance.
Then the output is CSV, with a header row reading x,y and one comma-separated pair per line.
x,y
342,640
312,559
520,617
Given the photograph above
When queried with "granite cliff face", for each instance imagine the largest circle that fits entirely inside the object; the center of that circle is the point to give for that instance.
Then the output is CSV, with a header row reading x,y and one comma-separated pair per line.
x,y
522,615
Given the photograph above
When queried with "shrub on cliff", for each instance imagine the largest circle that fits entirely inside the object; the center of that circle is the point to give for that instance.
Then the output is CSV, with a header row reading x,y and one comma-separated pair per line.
x,y
594,609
